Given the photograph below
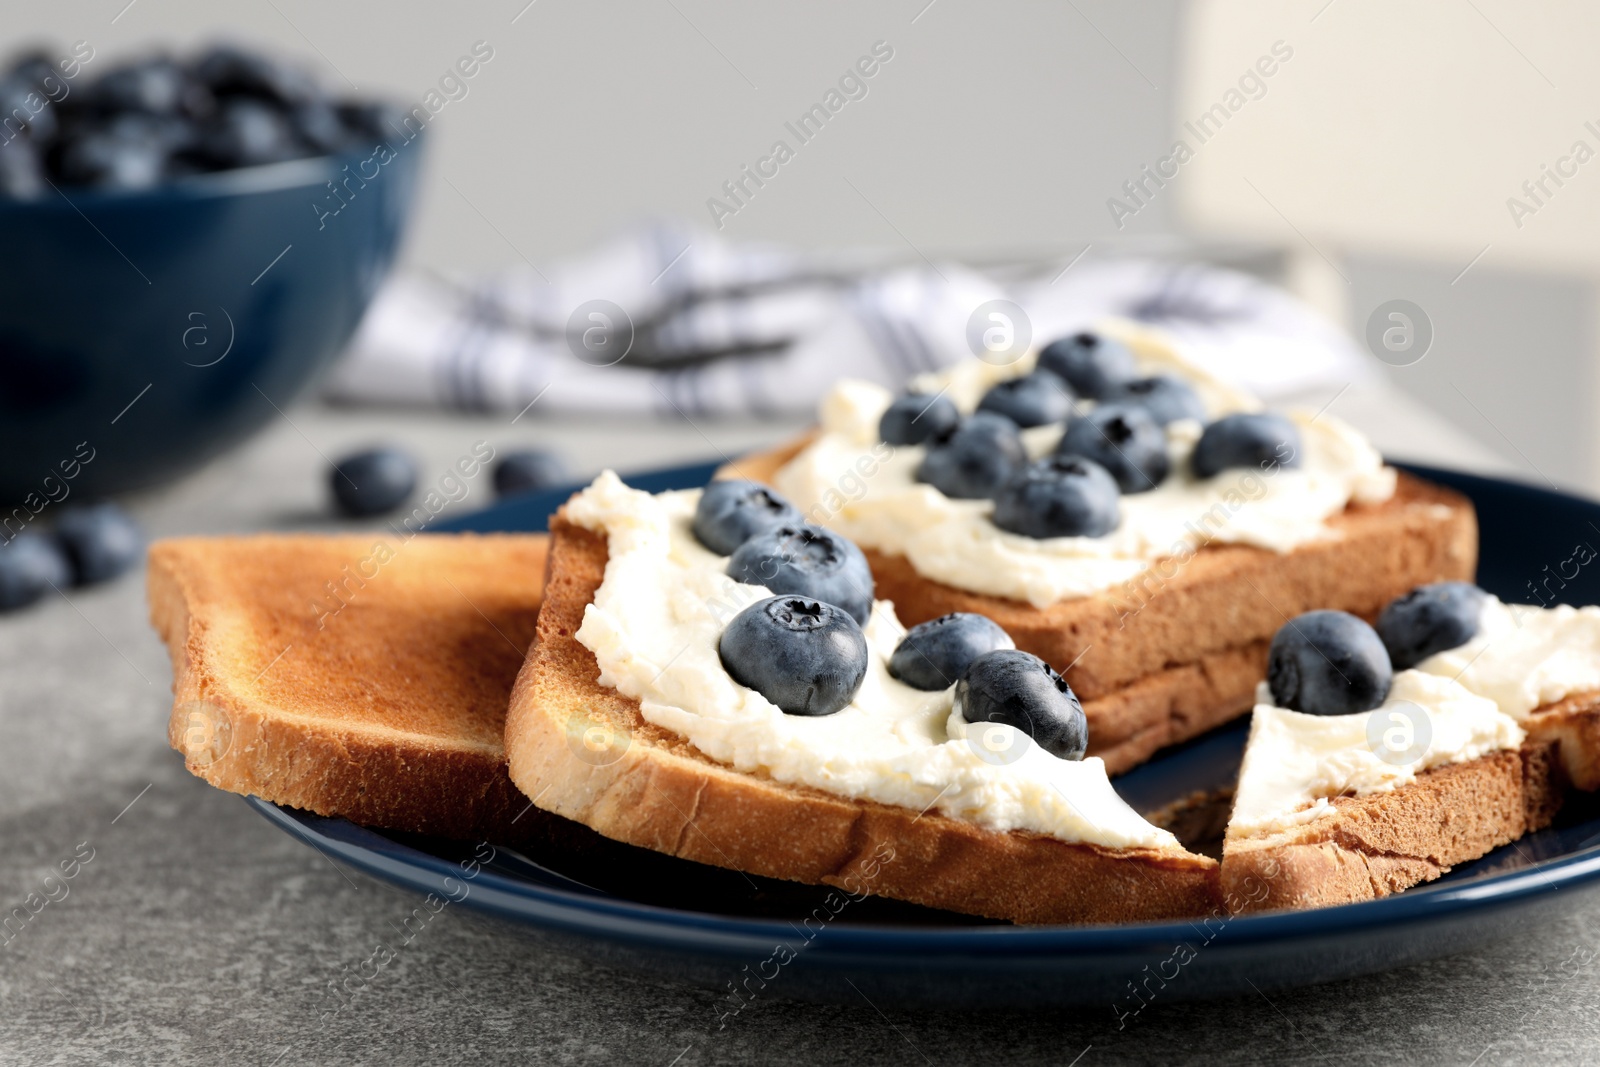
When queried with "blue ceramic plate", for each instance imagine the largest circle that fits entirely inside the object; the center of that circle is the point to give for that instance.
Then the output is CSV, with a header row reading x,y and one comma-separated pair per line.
x,y
754,937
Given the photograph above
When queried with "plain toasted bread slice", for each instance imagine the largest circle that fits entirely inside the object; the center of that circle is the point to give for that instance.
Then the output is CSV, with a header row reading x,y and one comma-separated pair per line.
x,y
1382,843
363,676
583,750
1226,597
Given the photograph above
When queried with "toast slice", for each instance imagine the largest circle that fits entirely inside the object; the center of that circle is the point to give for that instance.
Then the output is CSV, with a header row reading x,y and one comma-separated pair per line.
x,y
1226,598
1382,843
1132,724
583,750
1328,812
361,676
1541,665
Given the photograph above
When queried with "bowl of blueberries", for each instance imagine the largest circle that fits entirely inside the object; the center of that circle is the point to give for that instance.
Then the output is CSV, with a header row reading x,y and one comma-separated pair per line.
x,y
189,241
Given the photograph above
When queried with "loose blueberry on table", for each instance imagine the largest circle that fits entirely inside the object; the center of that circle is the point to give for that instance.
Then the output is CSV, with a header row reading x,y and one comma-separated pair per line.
x,y
935,654
1250,439
1166,397
1092,364
372,482
807,561
1328,663
1036,399
975,459
1123,439
31,565
528,470
1059,496
1023,691
1430,619
101,541
804,655
914,417
732,511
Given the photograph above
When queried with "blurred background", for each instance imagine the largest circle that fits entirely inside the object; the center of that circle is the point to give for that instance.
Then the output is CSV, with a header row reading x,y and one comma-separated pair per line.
x,y
1379,160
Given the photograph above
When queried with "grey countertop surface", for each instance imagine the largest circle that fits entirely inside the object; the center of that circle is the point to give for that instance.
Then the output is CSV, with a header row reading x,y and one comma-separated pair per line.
x,y
199,934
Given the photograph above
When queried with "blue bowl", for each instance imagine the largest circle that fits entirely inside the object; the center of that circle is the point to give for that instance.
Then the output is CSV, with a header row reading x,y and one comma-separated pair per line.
x,y
143,333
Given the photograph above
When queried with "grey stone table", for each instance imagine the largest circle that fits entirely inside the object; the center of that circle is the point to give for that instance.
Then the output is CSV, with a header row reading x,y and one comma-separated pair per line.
x,y
192,932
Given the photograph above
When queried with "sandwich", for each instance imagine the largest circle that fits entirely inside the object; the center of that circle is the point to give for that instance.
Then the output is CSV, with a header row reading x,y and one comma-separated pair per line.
x,y
715,681
1123,515
1539,665
1360,779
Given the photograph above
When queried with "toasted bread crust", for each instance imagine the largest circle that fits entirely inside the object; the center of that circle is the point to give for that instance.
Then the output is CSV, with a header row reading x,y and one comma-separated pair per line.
x,y
637,783
1224,598
1382,843
1130,725
1573,724
388,711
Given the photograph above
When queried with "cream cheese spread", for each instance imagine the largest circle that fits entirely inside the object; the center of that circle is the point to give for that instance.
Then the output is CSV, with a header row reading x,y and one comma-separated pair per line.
x,y
653,627
1295,764
1525,657
850,481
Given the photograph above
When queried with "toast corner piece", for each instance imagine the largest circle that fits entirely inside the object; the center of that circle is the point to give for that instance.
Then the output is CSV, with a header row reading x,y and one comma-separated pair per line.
x,y
389,715
584,751
1380,844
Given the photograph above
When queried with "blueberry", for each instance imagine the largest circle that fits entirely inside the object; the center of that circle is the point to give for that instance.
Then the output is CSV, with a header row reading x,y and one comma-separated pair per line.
x,y
372,482
529,470
1021,690
156,86
101,540
17,99
1166,397
1125,440
1036,399
913,418
806,561
130,151
972,461
373,121
935,654
1255,439
1430,619
1091,363
319,126
105,159
1059,496
21,171
731,511
30,564
245,133
35,68
1328,663
230,70
806,656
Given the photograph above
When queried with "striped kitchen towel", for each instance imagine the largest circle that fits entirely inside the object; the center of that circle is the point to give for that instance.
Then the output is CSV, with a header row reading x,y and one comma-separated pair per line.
x,y
669,320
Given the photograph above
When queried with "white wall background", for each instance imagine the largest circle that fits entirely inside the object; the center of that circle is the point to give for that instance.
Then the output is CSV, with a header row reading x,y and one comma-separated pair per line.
x,y
993,125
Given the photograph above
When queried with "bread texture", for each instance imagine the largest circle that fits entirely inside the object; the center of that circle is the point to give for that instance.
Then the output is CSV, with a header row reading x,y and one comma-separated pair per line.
x,y
363,676
1382,843
1573,725
1130,725
582,750
1225,598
